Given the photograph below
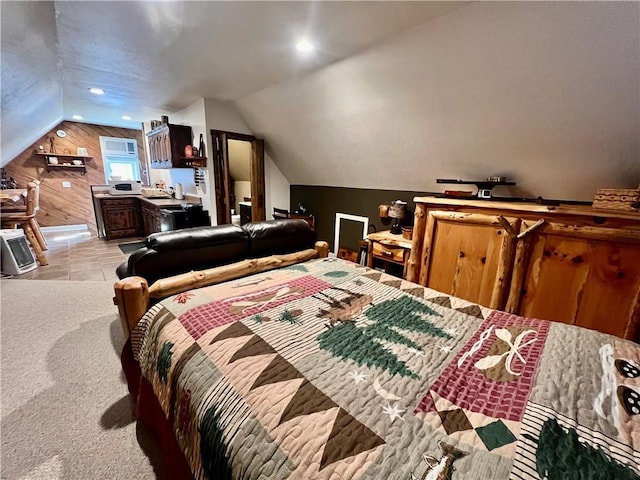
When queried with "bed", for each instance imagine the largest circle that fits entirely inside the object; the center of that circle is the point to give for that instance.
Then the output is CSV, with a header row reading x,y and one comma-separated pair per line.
x,y
319,368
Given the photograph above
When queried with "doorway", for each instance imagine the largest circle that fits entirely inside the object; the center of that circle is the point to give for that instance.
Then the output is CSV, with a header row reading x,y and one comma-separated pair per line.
x,y
238,165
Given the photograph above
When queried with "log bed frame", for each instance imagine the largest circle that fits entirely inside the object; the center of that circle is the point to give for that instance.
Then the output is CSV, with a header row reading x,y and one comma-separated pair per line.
x,y
133,294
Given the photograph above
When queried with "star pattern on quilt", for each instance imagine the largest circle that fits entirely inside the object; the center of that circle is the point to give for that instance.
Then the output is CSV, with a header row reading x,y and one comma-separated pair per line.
x,y
415,351
393,411
358,377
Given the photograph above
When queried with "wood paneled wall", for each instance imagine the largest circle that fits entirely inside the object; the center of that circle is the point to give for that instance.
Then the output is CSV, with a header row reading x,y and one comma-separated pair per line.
x,y
68,206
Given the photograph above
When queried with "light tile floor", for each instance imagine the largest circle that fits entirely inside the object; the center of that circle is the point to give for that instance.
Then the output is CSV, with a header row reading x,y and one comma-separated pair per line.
x,y
80,257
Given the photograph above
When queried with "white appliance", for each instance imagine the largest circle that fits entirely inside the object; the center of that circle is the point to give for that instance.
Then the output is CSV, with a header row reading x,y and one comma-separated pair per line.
x,y
16,254
125,187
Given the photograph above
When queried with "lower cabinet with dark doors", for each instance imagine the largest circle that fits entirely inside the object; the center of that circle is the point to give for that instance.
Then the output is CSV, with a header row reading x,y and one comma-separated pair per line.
x,y
135,216
151,218
121,217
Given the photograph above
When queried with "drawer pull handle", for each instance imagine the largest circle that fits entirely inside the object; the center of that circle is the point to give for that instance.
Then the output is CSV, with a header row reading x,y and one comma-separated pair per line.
x,y
387,253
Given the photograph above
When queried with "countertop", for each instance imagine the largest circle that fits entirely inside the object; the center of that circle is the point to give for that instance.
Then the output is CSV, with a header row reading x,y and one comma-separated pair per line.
x,y
157,202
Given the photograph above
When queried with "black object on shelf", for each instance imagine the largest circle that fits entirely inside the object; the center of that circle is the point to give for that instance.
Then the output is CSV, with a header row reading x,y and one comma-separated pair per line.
x,y
201,146
484,186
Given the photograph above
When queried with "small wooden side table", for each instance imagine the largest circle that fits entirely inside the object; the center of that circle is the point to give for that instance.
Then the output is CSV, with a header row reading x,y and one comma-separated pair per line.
x,y
389,249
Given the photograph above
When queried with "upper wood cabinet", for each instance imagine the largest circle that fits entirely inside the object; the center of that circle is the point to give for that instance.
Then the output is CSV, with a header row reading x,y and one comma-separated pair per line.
x,y
568,264
166,147
469,255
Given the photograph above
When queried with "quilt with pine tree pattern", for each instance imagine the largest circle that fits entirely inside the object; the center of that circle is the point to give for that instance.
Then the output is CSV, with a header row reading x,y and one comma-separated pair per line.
x,y
331,370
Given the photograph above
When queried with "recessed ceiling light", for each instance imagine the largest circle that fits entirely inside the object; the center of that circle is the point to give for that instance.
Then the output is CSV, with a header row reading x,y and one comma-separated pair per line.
x,y
77,117
126,117
96,91
304,45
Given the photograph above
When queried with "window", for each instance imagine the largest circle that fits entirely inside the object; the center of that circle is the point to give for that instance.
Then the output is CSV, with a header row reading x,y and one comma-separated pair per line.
x,y
120,158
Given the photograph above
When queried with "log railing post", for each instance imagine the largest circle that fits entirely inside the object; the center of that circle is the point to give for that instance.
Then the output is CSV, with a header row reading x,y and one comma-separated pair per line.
x,y
132,299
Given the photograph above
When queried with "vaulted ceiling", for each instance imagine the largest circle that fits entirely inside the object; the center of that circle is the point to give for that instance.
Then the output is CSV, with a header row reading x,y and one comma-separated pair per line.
x,y
396,95
153,58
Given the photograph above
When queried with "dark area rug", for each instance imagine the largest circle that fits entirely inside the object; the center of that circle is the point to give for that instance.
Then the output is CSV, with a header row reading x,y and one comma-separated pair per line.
x,y
130,247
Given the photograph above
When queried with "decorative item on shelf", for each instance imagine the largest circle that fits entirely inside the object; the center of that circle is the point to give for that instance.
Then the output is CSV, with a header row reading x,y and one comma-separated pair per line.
x,y
53,160
397,211
77,162
383,211
459,193
484,186
621,199
52,145
407,233
201,146
66,151
81,151
195,151
188,151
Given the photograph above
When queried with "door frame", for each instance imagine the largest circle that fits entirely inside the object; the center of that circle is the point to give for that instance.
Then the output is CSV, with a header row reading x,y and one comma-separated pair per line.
x,y
222,179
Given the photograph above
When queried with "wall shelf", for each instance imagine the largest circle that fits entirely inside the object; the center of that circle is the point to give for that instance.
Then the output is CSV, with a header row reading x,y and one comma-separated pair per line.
x,y
65,161
194,161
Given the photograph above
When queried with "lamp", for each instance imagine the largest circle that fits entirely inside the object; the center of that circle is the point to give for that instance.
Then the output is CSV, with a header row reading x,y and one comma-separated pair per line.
x,y
397,211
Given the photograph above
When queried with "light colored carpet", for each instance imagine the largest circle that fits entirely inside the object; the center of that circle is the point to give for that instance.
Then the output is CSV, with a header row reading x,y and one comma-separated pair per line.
x,y
66,412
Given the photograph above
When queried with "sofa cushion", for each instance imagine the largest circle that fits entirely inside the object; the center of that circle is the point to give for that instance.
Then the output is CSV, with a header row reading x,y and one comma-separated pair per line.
x,y
196,237
278,237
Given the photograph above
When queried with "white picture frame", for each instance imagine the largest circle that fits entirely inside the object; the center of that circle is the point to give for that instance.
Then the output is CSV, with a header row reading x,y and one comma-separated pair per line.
x,y
348,216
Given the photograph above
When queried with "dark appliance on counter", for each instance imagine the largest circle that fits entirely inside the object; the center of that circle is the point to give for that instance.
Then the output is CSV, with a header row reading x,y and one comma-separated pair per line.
x,y
190,215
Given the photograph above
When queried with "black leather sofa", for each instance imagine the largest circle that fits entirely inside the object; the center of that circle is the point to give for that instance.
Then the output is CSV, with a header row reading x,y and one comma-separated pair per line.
x,y
181,251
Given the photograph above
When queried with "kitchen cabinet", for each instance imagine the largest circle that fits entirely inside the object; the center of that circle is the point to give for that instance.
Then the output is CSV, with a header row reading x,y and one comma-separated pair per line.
x,y
151,218
121,217
568,263
137,216
166,147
